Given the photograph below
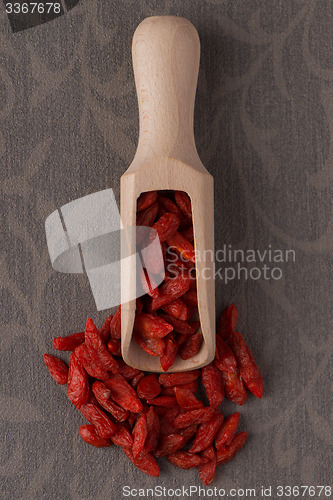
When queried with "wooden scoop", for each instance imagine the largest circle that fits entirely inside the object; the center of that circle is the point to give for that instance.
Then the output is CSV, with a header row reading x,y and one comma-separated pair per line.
x,y
166,53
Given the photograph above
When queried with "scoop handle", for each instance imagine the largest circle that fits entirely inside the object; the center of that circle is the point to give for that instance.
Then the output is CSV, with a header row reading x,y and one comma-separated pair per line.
x,y
166,53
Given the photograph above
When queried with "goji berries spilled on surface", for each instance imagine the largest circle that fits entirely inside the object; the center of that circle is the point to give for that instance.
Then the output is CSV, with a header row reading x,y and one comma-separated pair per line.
x,y
151,416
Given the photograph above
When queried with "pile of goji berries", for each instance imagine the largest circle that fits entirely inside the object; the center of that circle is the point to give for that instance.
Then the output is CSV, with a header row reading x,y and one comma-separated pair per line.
x,y
163,325
152,416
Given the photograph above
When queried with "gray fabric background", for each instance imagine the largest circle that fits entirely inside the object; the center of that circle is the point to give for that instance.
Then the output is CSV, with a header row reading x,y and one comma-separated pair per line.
x,y
264,129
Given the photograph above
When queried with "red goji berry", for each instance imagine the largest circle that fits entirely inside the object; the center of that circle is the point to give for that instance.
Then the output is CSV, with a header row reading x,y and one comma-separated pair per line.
x,y
185,460
228,431
103,394
184,203
190,297
149,387
78,383
57,368
191,346
166,401
226,453
227,322
248,368
128,372
177,309
146,217
188,234
206,433
104,331
166,226
68,343
207,471
114,347
179,326
145,462
154,347
187,400
194,417
213,384
167,205
168,444
170,352
122,437
123,393
91,362
179,378
234,387
224,357
94,343
182,246
145,200
115,325
90,436
150,326
171,290
139,434
104,427
135,381
153,430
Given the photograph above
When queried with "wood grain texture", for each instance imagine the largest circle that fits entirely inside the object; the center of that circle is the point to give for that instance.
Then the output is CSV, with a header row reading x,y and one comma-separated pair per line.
x,y
166,53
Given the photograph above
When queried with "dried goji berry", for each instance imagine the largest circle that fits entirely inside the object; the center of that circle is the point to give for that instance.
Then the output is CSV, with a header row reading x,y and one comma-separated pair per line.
x,y
104,331
166,401
103,394
234,387
91,362
146,217
166,226
78,383
191,346
179,378
226,453
145,200
179,325
206,433
149,387
207,471
135,381
170,352
105,428
212,381
95,343
150,326
194,417
128,372
57,368
123,393
177,309
224,357
139,434
168,419
227,322
154,347
168,206
171,290
170,391
115,325
122,437
153,430
228,431
187,400
185,460
188,433
145,462
90,436
114,347
182,246
68,343
184,203
168,444
248,368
